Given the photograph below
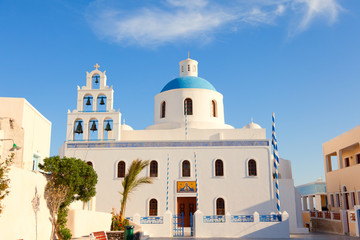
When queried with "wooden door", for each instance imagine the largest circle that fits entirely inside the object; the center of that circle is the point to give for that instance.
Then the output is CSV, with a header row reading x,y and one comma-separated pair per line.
x,y
186,205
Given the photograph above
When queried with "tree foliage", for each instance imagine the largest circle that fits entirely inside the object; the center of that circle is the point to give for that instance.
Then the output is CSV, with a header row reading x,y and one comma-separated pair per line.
x,y
55,195
132,181
74,175
4,179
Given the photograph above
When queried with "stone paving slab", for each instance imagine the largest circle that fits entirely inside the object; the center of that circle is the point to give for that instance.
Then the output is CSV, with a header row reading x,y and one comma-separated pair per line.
x,y
314,236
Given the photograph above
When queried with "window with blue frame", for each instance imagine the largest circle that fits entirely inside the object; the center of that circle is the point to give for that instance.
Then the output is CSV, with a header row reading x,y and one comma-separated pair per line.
x,y
35,162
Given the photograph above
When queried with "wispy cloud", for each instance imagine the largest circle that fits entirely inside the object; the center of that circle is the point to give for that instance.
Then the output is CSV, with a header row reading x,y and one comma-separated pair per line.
x,y
311,9
172,20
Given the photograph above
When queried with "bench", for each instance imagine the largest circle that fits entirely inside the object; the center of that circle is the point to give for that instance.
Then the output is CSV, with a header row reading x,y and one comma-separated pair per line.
x,y
99,235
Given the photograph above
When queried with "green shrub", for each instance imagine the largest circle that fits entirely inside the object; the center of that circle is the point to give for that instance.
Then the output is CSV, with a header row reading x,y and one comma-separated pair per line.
x,y
4,179
65,233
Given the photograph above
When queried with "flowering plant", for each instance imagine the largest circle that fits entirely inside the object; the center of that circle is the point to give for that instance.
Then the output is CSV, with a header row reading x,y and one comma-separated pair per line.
x,y
116,223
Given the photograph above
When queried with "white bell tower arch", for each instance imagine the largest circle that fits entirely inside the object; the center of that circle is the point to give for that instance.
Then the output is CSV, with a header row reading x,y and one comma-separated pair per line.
x,y
94,112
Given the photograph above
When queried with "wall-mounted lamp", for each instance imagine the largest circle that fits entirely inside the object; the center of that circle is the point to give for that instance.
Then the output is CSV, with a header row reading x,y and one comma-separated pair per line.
x,y
14,147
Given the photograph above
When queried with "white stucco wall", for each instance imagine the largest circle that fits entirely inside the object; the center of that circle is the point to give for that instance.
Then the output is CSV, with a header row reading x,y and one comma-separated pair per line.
x,y
36,129
37,135
18,220
201,118
157,230
234,184
193,134
231,229
290,198
83,222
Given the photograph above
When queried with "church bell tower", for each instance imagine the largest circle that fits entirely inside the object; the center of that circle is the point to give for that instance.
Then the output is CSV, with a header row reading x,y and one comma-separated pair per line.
x,y
94,119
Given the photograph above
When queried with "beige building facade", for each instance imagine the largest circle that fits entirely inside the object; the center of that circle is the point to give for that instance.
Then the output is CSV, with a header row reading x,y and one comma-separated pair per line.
x,y
342,170
22,124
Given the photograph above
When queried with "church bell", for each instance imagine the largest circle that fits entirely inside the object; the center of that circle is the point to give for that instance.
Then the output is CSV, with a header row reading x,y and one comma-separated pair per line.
x,y
96,79
102,101
93,127
79,129
88,103
108,127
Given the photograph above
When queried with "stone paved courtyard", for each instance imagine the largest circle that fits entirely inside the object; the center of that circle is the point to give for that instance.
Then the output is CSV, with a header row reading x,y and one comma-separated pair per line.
x,y
315,236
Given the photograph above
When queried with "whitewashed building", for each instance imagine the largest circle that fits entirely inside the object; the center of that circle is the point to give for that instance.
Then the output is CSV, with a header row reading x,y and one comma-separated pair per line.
x,y
200,165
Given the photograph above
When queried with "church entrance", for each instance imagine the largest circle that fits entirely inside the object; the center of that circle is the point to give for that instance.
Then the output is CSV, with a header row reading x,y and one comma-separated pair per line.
x,y
186,205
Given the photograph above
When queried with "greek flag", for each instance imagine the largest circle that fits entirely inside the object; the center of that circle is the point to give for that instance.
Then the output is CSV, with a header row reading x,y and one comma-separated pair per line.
x,y
276,163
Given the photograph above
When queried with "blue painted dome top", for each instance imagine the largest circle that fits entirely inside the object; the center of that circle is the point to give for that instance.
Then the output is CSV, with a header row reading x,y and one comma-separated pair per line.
x,y
188,82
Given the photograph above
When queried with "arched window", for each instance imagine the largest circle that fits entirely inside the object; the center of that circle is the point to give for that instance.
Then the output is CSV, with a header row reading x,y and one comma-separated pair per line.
x,y
121,169
182,68
213,108
89,163
189,68
153,207
153,168
186,168
219,168
188,108
252,167
220,206
163,108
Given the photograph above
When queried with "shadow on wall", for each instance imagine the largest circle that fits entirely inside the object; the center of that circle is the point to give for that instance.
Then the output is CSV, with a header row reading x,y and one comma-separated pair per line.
x,y
271,231
35,202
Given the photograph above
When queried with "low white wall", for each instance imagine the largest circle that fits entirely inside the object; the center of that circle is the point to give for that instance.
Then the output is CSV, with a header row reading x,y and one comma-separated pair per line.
x,y
254,229
163,229
83,222
290,202
18,220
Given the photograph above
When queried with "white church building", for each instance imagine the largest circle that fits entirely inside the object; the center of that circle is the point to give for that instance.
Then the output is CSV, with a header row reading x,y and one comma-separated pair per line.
x,y
208,177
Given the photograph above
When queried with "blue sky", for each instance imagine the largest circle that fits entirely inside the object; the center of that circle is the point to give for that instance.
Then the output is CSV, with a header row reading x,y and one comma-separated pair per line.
x,y
299,59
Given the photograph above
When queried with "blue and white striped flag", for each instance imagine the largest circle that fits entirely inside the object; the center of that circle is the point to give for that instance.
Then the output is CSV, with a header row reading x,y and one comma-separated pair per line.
x,y
276,163
197,184
186,132
167,182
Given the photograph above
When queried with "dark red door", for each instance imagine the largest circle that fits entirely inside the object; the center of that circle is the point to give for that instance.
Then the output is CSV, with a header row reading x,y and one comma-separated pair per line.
x,y
186,205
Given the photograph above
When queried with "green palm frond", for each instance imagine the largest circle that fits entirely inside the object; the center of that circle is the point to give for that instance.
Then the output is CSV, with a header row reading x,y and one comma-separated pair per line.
x,y
131,181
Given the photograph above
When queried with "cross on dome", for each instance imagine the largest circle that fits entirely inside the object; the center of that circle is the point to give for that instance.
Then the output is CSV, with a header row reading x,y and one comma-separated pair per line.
x,y
96,66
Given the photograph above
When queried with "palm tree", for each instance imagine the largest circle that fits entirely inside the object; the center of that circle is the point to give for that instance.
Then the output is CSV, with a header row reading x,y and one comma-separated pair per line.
x,y
131,182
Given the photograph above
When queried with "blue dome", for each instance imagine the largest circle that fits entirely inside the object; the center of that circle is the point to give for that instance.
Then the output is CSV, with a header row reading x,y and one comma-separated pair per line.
x,y
188,82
